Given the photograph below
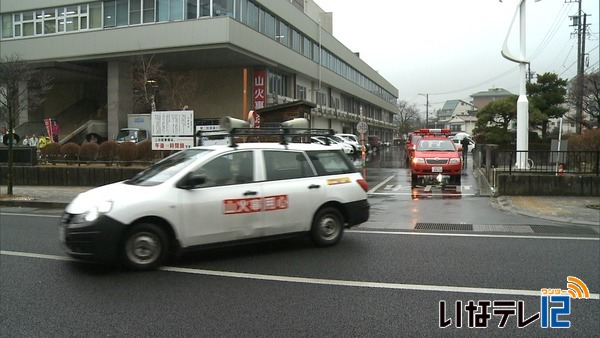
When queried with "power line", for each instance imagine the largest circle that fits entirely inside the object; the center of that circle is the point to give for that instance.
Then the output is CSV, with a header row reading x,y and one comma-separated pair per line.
x,y
552,30
478,84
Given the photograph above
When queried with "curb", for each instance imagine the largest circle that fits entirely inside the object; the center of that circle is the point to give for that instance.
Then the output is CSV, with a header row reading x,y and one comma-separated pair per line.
x,y
504,204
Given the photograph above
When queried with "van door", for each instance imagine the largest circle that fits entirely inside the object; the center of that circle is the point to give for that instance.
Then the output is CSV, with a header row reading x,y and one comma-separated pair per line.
x,y
292,191
227,206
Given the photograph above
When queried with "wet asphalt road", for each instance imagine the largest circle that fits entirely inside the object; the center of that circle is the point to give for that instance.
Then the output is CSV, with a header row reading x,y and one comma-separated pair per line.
x,y
373,283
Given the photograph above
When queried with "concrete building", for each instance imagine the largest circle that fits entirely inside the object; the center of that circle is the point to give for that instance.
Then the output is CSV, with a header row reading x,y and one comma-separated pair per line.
x,y
216,57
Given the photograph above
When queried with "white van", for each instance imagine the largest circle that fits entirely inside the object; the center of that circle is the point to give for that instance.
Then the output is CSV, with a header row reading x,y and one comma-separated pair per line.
x,y
217,194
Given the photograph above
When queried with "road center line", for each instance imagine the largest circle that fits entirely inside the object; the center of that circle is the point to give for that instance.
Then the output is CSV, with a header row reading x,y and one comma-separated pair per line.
x,y
319,281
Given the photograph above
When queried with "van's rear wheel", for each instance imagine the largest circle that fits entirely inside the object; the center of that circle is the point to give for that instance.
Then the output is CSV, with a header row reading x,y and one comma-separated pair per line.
x,y
327,227
145,247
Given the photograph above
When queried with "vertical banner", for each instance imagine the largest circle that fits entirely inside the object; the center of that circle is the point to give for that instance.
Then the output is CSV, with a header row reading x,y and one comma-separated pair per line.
x,y
48,124
260,89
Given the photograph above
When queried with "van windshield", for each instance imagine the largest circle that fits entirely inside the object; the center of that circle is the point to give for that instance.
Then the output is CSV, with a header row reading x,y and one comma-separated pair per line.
x,y
167,168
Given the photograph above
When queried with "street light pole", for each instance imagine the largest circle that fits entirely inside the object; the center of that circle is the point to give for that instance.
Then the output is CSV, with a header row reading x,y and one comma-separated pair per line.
x,y
426,109
522,102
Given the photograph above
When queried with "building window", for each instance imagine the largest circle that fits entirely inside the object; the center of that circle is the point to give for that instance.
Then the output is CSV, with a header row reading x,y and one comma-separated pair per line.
x,y
307,49
7,26
204,8
56,20
149,14
336,103
300,92
251,16
296,43
278,84
135,12
191,10
110,14
169,10
95,15
269,27
321,99
223,8
283,34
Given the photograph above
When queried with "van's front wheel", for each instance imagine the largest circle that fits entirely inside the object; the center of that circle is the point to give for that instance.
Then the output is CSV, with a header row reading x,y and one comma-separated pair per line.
x,y
327,227
145,247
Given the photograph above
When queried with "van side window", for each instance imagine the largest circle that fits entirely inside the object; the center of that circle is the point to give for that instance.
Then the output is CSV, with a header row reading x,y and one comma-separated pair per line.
x,y
283,165
232,168
331,162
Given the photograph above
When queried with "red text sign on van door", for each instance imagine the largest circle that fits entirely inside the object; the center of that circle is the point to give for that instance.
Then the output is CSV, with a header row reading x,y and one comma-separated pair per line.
x,y
249,205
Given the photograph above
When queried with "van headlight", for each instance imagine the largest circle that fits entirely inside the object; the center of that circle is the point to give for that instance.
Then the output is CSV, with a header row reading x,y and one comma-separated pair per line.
x,y
94,212
454,160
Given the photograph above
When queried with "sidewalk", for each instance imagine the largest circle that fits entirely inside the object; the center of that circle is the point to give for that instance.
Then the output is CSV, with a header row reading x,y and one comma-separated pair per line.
x,y
566,209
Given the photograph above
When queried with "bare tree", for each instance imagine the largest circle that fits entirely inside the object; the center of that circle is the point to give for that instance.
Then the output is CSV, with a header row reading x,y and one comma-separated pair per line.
x,y
146,75
407,117
178,89
591,99
21,88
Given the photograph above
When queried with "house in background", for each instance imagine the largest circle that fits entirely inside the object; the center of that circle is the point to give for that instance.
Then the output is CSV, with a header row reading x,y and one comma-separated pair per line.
x,y
464,122
457,115
480,99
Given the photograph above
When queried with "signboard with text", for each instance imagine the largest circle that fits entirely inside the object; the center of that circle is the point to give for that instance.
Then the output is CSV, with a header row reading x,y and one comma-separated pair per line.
x,y
260,88
172,130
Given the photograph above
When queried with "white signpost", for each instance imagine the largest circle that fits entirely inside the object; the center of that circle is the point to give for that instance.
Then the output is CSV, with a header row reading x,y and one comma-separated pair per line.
x,y
362,127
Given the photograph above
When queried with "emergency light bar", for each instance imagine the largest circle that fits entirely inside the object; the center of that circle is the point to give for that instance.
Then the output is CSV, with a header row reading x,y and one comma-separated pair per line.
x,y
438,131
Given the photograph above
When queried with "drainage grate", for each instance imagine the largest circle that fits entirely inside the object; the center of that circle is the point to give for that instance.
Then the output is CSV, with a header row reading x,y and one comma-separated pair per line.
x,y
538,229
444,226
554,229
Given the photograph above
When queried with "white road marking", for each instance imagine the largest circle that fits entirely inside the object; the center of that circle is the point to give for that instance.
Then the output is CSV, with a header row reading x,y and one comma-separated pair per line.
x,y
379,232
322,281
381,184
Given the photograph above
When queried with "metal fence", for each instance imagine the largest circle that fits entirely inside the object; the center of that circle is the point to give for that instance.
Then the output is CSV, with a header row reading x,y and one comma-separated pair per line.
x,y
539,161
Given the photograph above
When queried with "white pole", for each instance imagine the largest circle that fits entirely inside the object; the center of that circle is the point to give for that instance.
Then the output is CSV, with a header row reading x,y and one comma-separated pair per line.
x,y
522,102
559,139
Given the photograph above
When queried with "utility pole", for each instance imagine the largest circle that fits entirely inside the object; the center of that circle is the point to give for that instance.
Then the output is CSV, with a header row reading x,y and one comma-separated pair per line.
x,y
426,109
579,21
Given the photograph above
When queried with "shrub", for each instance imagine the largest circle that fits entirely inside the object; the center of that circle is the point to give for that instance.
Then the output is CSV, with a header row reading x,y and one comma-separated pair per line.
x,y
589,140
144,151
107,151
51,151
70,151
127,152
88,152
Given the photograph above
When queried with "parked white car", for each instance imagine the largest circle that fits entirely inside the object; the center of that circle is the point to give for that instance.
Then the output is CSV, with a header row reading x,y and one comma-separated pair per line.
x,y
353,140
218,194
457,141
324,140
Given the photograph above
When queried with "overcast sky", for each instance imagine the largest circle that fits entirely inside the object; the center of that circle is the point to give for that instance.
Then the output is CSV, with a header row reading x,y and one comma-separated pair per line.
x,y
450,49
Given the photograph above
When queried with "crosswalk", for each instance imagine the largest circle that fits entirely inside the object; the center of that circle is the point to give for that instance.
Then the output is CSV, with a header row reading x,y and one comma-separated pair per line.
x,y
390,186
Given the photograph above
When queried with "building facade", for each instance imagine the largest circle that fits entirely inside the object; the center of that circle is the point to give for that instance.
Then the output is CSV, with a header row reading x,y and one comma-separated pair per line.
x,y
480,99
216,57
454,108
